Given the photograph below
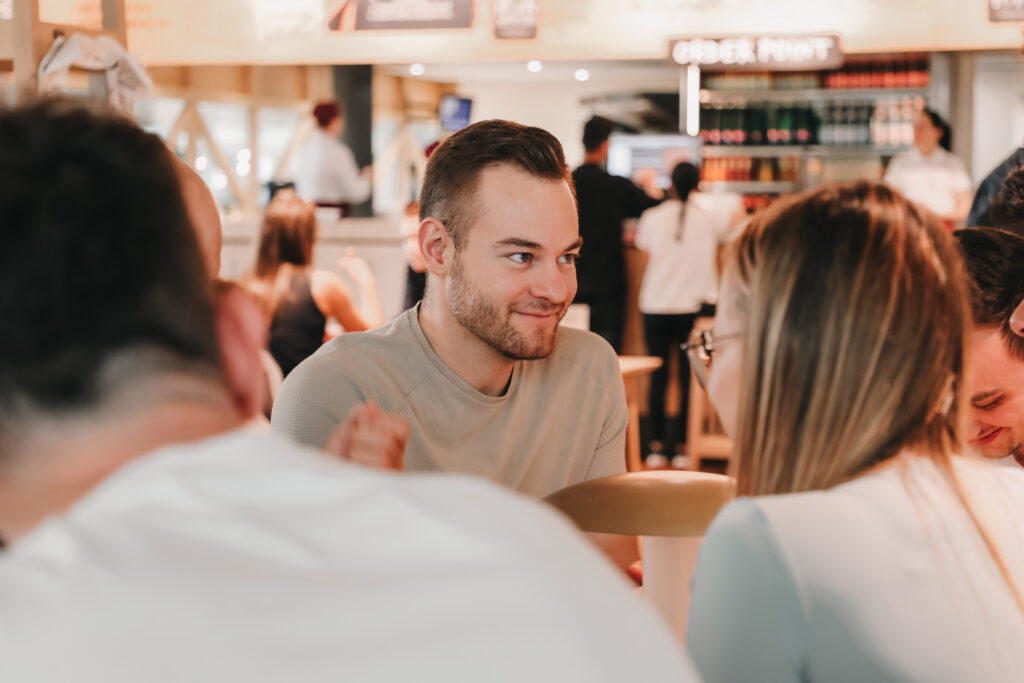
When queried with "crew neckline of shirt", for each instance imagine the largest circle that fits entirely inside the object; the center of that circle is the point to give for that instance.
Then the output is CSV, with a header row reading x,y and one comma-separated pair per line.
x,y
413,320
938,154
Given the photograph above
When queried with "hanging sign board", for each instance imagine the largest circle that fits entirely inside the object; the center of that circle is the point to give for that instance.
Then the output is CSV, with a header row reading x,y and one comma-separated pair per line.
x,y
413,14
1006,10
776,53
515,19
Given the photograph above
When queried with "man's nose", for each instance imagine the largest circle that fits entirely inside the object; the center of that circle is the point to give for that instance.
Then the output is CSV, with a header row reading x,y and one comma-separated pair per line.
x,y
551,283
1017,319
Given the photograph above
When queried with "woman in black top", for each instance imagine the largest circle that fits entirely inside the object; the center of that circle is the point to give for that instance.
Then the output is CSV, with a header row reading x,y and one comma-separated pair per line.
x,y
297,298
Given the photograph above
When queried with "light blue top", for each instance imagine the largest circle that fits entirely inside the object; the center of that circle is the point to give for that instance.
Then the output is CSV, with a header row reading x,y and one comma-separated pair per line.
x,y
884,578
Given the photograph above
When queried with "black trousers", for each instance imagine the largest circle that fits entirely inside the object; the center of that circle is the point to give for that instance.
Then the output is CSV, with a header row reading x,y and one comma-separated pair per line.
x,y
662,333
607,318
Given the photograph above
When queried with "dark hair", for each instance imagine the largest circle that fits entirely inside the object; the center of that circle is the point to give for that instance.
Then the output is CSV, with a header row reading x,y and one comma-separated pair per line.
x,y
685,179
1006,211
99,260
995,264
946,138
595,132
287,234
454,168
325,112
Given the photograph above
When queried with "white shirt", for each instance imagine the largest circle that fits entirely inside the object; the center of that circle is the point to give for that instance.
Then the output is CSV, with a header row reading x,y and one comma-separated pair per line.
x,y
247,558
884,578
681,272
932,181
325,171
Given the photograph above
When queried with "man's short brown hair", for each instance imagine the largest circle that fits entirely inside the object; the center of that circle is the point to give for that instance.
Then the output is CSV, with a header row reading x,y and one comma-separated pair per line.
x,y
995,263
454,169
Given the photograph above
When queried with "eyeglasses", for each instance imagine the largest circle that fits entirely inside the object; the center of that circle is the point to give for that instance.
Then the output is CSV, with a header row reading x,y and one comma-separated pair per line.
x,y
700,350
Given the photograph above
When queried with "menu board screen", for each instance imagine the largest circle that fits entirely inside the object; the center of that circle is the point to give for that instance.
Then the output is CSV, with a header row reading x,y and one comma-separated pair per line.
x,y
1006,10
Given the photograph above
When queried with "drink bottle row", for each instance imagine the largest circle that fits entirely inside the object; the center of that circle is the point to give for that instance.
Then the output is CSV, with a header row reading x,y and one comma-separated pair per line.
x,y
759,125
886,121
747,169
909,70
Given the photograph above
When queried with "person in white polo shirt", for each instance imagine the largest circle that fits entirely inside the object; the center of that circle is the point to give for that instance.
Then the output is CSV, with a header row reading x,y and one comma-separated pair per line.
x,y
680,238
929,175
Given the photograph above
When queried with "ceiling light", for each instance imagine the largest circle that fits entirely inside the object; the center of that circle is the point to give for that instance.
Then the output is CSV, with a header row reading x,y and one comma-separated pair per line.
x,y
417,69
533,66
582,75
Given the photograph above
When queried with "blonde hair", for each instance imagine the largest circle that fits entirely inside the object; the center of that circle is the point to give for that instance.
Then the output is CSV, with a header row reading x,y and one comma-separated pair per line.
x,y
858,310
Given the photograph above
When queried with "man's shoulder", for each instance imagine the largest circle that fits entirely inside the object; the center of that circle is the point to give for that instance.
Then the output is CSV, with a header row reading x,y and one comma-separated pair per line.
x,y
357,352
592,174
383,365
670,207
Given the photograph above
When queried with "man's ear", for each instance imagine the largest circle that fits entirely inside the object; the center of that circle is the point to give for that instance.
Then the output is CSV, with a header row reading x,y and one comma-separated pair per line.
x,y
436,246
1017,320
242,335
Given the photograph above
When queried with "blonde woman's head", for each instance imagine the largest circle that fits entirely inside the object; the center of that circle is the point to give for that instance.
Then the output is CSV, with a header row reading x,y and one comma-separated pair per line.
x,y
850,310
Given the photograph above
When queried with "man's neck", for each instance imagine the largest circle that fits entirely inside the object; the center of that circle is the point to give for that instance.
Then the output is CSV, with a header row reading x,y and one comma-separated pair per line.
x,y
464,353
56,461
593,158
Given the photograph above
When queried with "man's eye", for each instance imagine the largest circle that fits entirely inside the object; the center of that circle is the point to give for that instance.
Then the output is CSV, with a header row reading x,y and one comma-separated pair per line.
x,y
521,257
569,259
990,405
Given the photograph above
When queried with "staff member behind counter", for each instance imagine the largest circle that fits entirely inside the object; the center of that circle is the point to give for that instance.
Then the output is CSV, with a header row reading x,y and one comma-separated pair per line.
x,y
929,174
324,168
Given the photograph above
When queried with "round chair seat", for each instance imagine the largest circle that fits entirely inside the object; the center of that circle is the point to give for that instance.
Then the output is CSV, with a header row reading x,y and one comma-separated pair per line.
x,y
656,503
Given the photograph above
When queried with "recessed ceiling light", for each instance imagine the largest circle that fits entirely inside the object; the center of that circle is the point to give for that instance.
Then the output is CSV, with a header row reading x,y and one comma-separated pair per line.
x,y
582,75
533,66
417,69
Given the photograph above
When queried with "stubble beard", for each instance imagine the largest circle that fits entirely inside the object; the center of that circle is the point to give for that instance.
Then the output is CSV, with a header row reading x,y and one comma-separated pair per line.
x,y
493,326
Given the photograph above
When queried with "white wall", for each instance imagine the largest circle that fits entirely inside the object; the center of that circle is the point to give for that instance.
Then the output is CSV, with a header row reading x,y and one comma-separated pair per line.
x,y
554,102
998,111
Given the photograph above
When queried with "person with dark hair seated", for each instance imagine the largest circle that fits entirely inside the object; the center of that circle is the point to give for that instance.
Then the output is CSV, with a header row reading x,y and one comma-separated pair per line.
x,y
151,537
324,168
487,381
995,262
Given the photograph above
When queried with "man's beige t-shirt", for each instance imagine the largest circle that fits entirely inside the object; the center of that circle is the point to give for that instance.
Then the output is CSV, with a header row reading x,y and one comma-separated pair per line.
x,y
562,420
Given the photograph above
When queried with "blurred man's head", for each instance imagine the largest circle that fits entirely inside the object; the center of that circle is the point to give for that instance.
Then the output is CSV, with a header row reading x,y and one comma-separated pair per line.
x,y
995,262
107,306
328,118
202,213
596,132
